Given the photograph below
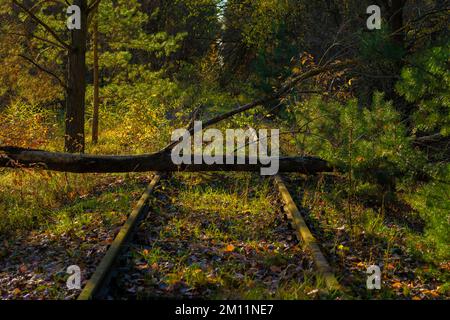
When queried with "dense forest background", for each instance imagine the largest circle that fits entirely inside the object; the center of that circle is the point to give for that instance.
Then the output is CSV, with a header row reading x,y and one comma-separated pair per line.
x,y
383,121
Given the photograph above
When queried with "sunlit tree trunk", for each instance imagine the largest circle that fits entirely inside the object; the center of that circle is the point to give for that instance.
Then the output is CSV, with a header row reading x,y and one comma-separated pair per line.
x,y
76,93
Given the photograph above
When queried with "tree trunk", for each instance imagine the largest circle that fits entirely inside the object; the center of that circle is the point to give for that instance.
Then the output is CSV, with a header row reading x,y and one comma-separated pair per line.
x,y
396,21
96,80
75,102
81,163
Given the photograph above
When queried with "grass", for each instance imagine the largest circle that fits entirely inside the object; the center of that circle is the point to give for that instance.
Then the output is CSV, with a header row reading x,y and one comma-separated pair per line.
x,y
37,200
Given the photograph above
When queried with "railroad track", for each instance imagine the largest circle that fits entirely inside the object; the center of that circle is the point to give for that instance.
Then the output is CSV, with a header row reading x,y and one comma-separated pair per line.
x,y
306,237
98,285
102,274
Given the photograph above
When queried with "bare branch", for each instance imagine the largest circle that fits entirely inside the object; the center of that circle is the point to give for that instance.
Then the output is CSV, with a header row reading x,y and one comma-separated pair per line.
x,y
38,38
93,6
61,82
288,86
43,24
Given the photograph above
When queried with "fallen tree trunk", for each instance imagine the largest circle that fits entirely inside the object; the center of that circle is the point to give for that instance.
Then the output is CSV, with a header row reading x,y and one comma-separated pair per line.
x,y
12,157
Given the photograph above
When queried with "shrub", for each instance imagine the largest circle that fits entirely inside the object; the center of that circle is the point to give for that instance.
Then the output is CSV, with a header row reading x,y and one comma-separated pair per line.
x,y
372,142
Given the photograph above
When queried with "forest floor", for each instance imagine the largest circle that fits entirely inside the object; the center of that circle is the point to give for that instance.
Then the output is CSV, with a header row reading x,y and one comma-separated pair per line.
x,y
77,230
214,236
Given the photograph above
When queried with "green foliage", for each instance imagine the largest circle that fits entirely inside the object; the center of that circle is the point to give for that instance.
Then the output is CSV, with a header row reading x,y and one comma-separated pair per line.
x,y
124,40
122,24
19,79
273,62
373,146
269,42
264,22
377,46
370,142
432,203
25,125
196,20
425,81
136,111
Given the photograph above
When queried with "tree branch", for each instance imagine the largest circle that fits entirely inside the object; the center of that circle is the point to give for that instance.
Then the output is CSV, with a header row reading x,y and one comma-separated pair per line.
x,y
432,138
37,37
43,24
277,95
93,6
61,82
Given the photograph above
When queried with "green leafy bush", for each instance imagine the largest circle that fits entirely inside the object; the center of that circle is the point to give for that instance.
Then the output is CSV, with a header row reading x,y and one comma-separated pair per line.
x,y
370,142
431,202
426,83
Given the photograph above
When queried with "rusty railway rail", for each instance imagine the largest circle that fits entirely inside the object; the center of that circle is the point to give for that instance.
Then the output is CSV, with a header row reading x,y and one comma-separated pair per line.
x,y
102,274
99,281
306,237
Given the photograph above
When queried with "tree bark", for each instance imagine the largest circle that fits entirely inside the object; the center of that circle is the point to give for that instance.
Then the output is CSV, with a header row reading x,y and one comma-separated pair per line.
x,y
13,157
76,93
96,79
396,21
395,10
